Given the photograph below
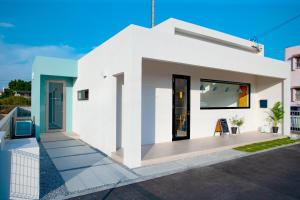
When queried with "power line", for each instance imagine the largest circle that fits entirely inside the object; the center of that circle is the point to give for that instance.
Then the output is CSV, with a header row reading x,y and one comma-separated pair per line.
x,y
278,26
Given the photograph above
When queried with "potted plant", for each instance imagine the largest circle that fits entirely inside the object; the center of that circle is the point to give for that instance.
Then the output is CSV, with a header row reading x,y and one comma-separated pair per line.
x,y
236,123
276,115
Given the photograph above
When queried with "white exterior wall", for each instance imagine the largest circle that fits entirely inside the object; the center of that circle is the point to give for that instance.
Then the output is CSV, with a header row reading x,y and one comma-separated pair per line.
x,y
171,24
157,100
95,120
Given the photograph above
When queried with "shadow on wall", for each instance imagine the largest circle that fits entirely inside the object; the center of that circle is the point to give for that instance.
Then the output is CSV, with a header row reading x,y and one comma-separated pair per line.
x,y
119,114
264,83
148,114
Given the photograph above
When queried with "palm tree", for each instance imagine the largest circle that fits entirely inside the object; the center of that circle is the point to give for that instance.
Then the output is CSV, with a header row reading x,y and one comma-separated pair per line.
x,y
276,115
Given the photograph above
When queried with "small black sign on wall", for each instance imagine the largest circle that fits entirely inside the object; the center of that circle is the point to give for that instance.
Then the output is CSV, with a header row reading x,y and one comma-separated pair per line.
x,y
263,103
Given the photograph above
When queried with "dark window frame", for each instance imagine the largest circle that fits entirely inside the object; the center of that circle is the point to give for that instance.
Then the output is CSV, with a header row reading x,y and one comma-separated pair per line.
x,y
188,78
297,62
227,82
297,90
85,96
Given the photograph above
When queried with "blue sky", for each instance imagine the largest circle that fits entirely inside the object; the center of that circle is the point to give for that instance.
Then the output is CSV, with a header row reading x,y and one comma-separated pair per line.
x,y
71,28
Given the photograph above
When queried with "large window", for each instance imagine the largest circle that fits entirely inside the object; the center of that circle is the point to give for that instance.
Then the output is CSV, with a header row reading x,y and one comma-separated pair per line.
x,y
217,94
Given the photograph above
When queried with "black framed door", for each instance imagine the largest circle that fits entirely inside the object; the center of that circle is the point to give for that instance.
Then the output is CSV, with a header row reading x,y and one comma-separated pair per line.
x,y
181,107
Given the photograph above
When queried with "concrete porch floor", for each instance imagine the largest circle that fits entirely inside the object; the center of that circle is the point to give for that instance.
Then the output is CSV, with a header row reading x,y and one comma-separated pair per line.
x,y
169,151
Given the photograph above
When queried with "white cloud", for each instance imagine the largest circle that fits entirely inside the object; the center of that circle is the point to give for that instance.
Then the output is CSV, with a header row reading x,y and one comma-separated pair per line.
x,y
16,59
6,25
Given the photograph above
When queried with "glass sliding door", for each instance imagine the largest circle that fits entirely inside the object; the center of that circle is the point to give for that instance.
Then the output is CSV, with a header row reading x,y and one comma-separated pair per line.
x,y
55,104
181,107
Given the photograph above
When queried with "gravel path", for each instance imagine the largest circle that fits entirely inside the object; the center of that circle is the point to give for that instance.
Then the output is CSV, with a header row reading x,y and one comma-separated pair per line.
x,y
51,184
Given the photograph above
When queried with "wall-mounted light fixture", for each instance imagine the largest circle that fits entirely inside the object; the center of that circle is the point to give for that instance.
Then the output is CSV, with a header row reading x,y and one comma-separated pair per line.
x,y
104,74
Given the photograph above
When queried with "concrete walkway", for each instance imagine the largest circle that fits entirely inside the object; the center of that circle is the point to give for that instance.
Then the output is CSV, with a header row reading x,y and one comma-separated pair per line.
x,y
81,166
86,170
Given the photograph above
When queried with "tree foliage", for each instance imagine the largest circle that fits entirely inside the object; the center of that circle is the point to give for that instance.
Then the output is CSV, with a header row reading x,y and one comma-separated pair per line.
x,y
19,85
16,85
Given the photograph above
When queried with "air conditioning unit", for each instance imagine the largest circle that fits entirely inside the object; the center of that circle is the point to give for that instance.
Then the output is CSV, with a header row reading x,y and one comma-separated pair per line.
x,y
23,128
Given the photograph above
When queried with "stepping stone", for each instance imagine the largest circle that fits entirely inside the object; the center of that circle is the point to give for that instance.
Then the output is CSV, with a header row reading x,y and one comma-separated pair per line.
x,y
61,144
73,182
56,137
96,176
70,151
85,176
80,161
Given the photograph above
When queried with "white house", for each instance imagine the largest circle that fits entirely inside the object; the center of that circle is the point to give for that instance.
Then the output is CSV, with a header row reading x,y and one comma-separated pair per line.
x,y
153,85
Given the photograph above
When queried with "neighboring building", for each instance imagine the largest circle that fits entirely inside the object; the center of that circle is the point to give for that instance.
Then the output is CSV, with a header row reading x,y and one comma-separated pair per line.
x,y
2,91
292,55
25,94
153,85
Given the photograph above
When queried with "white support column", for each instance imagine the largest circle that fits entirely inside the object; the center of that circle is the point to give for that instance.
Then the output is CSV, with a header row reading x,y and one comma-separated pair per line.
x,y
132,115
286,101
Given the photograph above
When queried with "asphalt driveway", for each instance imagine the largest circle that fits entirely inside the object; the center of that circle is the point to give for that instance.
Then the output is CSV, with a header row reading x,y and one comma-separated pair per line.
x,y
270,175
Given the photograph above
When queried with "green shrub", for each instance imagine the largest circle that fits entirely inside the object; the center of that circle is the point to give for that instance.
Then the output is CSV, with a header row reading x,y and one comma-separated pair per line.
x,y
15,101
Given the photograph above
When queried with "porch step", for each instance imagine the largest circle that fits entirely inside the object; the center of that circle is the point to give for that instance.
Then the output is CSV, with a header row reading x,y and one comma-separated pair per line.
x,y
117,156
58,136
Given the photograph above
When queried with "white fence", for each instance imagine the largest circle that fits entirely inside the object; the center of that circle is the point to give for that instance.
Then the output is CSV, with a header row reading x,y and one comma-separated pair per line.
x,y
295,121
24,180
19,170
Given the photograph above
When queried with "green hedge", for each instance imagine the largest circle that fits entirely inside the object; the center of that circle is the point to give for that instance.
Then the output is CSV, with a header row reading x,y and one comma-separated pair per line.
x,y
266,145
15,101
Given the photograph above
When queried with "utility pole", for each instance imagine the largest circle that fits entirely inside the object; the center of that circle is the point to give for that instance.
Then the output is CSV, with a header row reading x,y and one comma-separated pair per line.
x,y
152,14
